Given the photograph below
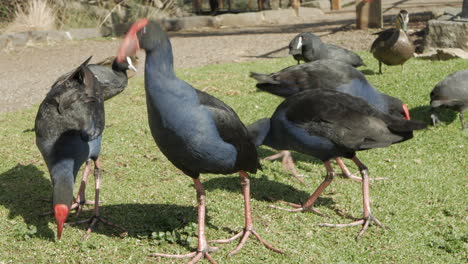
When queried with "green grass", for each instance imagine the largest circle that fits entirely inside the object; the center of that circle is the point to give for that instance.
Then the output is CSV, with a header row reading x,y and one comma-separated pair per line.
x,y
423,201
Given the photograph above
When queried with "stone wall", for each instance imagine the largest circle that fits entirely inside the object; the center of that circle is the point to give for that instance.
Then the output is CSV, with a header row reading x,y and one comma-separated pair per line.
x,y
447,34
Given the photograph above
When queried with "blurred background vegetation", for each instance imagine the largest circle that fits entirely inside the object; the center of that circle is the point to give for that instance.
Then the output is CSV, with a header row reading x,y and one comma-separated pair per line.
x,y
17,15
20,15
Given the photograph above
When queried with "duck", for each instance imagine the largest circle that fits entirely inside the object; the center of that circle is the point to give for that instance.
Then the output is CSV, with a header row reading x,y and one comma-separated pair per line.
x,y
204,136
392,46
451,93
331,75
309,47
327,124
68,128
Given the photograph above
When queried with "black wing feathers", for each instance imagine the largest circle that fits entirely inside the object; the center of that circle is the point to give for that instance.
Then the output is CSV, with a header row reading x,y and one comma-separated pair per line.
x,y
346,120
74,103
233,131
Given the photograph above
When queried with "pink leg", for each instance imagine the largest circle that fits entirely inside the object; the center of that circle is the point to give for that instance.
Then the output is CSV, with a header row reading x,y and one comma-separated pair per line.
x,y
248,229
349,175
203,249
368,217
288,163
96,217
307,206
80,197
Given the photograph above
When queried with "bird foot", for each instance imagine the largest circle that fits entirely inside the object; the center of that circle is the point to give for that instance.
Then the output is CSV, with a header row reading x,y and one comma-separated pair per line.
x,y
298,208
196,256
245,235
366,221
359,179
435,120
93,220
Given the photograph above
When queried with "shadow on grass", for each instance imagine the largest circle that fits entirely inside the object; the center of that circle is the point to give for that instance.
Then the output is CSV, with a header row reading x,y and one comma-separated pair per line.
x,y
423,113
369,72
144,221
263,189
22,189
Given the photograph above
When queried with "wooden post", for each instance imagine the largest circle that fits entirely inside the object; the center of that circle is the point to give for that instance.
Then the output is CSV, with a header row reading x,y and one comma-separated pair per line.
x,y
464,13
369,14
335,4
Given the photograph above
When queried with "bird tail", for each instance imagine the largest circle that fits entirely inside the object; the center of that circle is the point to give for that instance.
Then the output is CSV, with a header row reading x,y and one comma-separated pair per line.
x,y
263,78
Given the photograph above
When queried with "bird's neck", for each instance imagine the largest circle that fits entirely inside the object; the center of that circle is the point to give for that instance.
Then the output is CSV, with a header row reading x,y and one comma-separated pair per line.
x,y
63,178
160,61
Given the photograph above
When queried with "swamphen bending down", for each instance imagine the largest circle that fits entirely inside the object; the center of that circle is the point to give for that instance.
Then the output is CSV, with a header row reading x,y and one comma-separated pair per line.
x,y
326,74
452,93
197,132
309,47
68,127
112,78
327,124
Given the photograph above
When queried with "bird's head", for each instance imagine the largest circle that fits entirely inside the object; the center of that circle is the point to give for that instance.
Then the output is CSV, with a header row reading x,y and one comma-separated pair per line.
x,y
143,34
402,20
125,65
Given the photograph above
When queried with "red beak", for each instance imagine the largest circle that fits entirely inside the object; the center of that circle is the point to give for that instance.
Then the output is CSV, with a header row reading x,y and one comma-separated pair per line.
x,y
61,214
405,109
130,44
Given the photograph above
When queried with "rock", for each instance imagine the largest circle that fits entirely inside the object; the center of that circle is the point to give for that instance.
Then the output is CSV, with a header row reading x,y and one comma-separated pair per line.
x,y
240,20
84,33
447,34
322,4
19,39
187,23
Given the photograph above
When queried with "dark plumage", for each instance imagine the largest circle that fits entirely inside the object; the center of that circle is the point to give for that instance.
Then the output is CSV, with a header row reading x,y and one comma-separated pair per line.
x,y
68,128
327,124
308,47
326,74
392,46
452,93
197,132
111,75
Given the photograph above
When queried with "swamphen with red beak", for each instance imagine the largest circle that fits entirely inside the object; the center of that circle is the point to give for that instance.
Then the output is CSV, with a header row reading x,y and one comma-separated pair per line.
x,y
326,74
197,132
68,127
327,124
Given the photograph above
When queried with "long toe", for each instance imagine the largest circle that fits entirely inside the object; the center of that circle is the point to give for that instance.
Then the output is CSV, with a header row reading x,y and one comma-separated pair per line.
x,y
244,235
298,208
195,256
365,222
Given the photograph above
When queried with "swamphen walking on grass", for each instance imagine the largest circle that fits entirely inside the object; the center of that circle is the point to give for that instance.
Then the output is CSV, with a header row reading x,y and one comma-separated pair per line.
x,y
326,74
197,132
327,124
